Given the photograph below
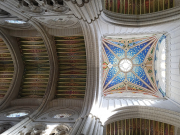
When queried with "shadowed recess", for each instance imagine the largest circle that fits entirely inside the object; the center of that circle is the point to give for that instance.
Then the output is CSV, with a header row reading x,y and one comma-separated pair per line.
x,y
138,126
6,68
72,67
137,7
36,67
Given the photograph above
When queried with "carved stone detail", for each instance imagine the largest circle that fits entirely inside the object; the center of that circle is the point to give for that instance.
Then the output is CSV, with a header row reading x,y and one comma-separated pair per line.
x,y
37,130
40,7
62,129
79,3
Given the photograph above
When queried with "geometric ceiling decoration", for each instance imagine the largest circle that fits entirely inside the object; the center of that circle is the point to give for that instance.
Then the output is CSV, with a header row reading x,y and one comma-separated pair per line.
x,y
128,67
138,126
137,7
72,67
36,67
6,68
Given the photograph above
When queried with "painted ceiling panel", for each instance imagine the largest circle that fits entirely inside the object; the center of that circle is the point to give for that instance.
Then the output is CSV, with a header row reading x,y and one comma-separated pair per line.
x,y
137,6
36,67
72,67
133,79
112,72
140,72
139,126
118,51
110,56
133,51
134,72
6,68
141,56
118,79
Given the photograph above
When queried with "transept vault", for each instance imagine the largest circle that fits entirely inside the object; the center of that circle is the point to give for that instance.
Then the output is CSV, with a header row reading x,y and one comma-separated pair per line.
x,y
89,67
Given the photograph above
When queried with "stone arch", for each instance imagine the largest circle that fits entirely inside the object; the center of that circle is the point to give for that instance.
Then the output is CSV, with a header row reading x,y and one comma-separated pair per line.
x,y
145,112
18,68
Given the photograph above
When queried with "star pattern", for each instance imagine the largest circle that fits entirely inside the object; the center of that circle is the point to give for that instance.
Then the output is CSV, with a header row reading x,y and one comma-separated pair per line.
x,y
131,66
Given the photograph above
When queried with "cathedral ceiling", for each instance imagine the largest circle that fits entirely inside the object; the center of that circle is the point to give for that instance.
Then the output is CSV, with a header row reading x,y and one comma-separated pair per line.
x,y
6,68
72,67
71,64
36,67
137,6
128,67
138,126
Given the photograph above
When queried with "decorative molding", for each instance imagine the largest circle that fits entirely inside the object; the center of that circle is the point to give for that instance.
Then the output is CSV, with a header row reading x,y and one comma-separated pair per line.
x,y
143,126
141,20
18,68
65,103
59,22
65,32
136,80
92,94
137,7
89,12
34,129
151,113
61,114
69,114
38,7
27,102
79,3
24,33
62,129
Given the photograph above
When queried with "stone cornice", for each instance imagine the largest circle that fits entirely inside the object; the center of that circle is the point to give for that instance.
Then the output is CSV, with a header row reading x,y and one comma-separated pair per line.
x,y
151,113
89,12
18,69
141,20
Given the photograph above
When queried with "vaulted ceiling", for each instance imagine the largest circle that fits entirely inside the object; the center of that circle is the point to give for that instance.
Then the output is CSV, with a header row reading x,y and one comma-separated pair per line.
x,y
138,126
36,67
65,45
6,68
129,66
138,6
72,67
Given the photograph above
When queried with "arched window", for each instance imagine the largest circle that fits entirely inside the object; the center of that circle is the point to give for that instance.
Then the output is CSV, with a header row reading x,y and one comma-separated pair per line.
x,y
162,67
15,21
18,114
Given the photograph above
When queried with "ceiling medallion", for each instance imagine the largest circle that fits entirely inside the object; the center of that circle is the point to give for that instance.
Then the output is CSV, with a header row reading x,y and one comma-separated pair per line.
x,y
125,65
128,66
